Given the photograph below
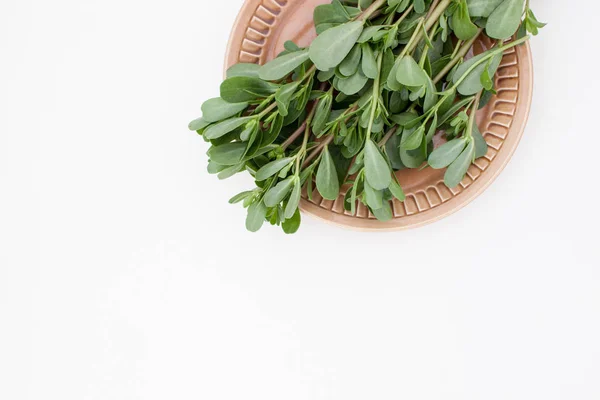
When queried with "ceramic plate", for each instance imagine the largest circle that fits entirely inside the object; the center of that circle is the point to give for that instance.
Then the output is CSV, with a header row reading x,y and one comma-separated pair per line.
x,y
258,35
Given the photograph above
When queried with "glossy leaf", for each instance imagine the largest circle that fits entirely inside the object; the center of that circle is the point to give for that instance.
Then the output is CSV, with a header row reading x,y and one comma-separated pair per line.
x,y
447,153
276,194
330,48
377,170
282,66
257,213
457,170
217,130
328,184
273,168
504,21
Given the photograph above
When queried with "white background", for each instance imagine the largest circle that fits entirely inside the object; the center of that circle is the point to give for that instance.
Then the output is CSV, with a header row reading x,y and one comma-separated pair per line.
x,y
124,273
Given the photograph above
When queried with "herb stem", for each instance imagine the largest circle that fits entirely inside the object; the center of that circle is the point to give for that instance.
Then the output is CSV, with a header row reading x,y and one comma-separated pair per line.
x,y
403,16
376,94
464,49
365,15
473,114
388,136
267,110
327,141
302,152
429,22
294,136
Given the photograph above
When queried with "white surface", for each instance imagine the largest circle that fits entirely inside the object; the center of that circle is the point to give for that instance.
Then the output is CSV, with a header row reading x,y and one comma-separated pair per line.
x,y
124,273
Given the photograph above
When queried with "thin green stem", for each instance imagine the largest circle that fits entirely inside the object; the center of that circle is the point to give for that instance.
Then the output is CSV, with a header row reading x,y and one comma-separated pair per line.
x,y
474,109
458,45
371,10
463,50
376,94
403,16
431,20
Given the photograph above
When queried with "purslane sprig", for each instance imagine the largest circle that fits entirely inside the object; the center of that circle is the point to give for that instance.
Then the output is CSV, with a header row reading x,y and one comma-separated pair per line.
x,y
363,101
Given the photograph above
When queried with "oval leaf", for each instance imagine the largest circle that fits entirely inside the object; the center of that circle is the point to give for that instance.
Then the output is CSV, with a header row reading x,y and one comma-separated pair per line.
x,y
240,89
280,67
327,177
222,128
446,153
292,205
377,170
217,109
291,225
457,170
330,48
505,19
272,168
410,74
256,216
227,154
276,194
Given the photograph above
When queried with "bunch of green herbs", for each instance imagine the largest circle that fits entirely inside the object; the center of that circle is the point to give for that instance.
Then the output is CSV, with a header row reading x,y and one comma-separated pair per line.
x,y
365,100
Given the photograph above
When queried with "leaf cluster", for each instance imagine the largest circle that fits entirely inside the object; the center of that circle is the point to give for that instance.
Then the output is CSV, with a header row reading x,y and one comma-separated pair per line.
x,y
365,100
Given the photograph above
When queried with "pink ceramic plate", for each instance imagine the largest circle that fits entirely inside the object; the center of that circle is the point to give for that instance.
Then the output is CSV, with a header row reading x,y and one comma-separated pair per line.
x,y
259,33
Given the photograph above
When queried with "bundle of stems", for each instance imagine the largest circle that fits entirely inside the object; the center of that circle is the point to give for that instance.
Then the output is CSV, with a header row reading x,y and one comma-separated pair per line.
x,y
363,101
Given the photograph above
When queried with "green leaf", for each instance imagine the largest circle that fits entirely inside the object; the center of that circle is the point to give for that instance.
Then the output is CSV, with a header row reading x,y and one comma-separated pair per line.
x,y
454,108
330,48
471,83
412,138
328,184
291,225
349,65
198,124
256,216
282,66
397,191
292,205
462,25
414,158
230,171
222,128
406,119
368,32
276,194
486,79
241,197
243,69
391,150
410,74
353,84
431,97
432,129
377,170
214,168
240,89
322,114
283,97
457,170
217,109
373,198
227,154
273,168
482,8
447,153
419,6
505,19
481,146
327,14
385,213
369,63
